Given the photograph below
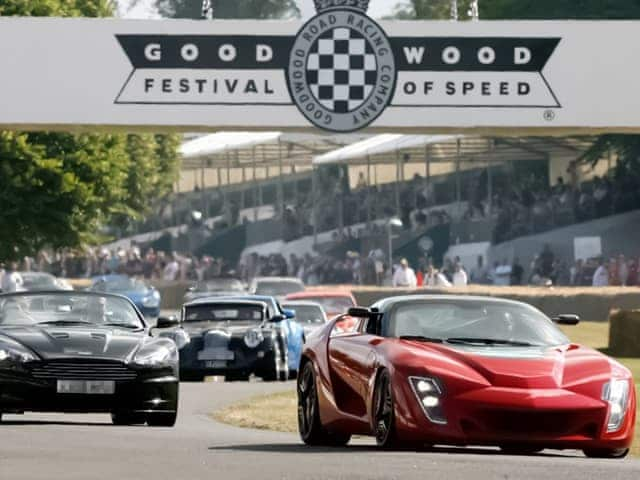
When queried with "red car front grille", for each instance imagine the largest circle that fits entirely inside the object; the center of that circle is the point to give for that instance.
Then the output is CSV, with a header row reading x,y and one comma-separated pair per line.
x,y
532,423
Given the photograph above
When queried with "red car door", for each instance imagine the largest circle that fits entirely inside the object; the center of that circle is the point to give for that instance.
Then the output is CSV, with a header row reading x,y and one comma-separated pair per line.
x,y
352,362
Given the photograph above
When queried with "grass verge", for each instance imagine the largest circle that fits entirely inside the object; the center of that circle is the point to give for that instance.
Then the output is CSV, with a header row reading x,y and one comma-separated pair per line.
x,y
278,412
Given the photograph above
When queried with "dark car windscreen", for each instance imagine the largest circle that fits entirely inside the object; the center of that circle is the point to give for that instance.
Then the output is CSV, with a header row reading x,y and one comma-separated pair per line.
x,y
120,285
333,304
220,285
223,313
474,320
39,280
72,308
278,288
307,314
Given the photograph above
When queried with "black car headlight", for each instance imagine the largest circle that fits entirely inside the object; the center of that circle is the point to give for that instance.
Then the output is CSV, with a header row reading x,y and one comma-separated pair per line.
x,y
156,355
12,353
253,338
429,393
616,393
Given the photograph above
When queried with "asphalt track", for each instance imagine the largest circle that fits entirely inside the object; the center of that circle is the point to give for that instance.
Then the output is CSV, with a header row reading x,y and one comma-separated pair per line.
x,y
87,447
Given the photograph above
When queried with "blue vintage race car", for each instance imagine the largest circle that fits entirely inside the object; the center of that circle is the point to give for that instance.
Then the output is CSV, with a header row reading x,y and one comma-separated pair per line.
x,y
144,296
292,329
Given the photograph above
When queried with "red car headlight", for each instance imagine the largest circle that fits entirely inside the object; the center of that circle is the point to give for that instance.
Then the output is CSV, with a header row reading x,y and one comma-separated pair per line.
x,y
429,393
616,392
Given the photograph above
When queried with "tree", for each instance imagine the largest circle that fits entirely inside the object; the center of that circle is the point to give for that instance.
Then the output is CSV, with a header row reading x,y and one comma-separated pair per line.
x,y
264,9
57,8
430,10
59,189
559,9
55,189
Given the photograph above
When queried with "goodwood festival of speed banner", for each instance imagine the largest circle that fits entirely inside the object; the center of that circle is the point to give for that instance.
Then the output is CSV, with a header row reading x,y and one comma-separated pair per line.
x,y
341,71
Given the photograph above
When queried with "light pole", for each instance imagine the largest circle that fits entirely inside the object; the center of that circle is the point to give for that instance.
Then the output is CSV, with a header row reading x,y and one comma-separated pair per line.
x,y
393,222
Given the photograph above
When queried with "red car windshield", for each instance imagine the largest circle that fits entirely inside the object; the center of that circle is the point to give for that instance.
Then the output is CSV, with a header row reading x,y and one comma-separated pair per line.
x,y
474,322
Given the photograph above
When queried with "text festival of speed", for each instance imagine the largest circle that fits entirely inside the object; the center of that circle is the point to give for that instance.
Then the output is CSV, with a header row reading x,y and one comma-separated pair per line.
x,y
227,53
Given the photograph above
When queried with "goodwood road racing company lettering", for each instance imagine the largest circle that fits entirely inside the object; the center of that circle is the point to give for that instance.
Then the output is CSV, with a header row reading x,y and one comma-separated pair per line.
x,y
341,70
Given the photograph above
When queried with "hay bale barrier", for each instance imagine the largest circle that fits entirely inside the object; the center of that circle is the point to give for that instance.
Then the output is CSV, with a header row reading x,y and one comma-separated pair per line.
x,y
624,333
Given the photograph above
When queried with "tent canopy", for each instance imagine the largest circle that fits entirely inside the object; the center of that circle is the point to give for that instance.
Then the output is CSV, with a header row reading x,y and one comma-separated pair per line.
x,y
386,148
242,149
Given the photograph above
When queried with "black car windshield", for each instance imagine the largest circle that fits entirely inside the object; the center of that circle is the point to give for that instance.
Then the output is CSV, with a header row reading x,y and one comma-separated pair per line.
x,y
220,285
278,288
38,280
119,285
482,323
310,314
223,313
72,308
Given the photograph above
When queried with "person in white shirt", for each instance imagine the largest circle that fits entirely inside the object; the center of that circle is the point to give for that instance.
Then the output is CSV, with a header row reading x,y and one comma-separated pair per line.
x,y
433,278
12,280
503,274
601,275
172,269
404,276
459,278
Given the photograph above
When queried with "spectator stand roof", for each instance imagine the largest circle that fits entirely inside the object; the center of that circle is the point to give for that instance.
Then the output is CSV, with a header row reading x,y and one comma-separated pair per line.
x,y
385,149
243,149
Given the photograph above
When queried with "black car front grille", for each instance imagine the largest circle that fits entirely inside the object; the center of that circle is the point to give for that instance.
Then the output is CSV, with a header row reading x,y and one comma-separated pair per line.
x,y
216,340
69,370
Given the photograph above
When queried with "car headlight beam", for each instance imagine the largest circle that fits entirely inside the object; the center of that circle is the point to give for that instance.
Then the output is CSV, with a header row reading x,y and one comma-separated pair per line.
x,y
253,338
429,393
156,356
152,300
12,353
616,393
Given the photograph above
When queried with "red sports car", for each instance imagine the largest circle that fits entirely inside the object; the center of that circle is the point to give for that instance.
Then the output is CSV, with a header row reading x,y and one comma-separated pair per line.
x,y
452,370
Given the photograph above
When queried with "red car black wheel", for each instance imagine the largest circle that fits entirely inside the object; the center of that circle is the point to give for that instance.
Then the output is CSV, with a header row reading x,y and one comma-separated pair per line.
x,y
311,430
384,414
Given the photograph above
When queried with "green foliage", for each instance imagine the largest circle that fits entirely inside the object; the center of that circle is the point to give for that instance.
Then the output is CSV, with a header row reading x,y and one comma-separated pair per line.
x,y
57,8
559,9
55,189
522,9
59,189
266,9
429,10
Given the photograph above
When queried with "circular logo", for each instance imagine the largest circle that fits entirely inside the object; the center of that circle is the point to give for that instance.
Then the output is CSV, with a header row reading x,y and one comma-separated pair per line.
x,y
341,71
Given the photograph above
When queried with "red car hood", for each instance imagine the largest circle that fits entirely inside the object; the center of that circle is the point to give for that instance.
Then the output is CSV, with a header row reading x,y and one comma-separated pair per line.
x,y
515,367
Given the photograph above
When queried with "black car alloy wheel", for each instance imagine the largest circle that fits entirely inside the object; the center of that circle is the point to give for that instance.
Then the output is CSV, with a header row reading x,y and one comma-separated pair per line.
x,y
383,411
307,400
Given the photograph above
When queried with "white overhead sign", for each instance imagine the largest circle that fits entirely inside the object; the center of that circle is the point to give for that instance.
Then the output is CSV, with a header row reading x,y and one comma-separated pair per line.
x,y
340,72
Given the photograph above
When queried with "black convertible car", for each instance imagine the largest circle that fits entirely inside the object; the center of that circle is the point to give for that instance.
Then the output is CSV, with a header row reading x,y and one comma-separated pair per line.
x,y
233,338
85,352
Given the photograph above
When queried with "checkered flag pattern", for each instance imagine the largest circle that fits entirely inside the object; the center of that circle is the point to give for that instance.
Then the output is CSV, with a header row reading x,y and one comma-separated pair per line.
x,y
341,69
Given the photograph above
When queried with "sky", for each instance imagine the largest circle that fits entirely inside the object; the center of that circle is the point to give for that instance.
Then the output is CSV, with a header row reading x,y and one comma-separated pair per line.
x,y
144,8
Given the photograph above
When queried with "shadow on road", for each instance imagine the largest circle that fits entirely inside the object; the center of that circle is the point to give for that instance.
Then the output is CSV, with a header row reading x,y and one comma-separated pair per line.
x,y
304,449
55,422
